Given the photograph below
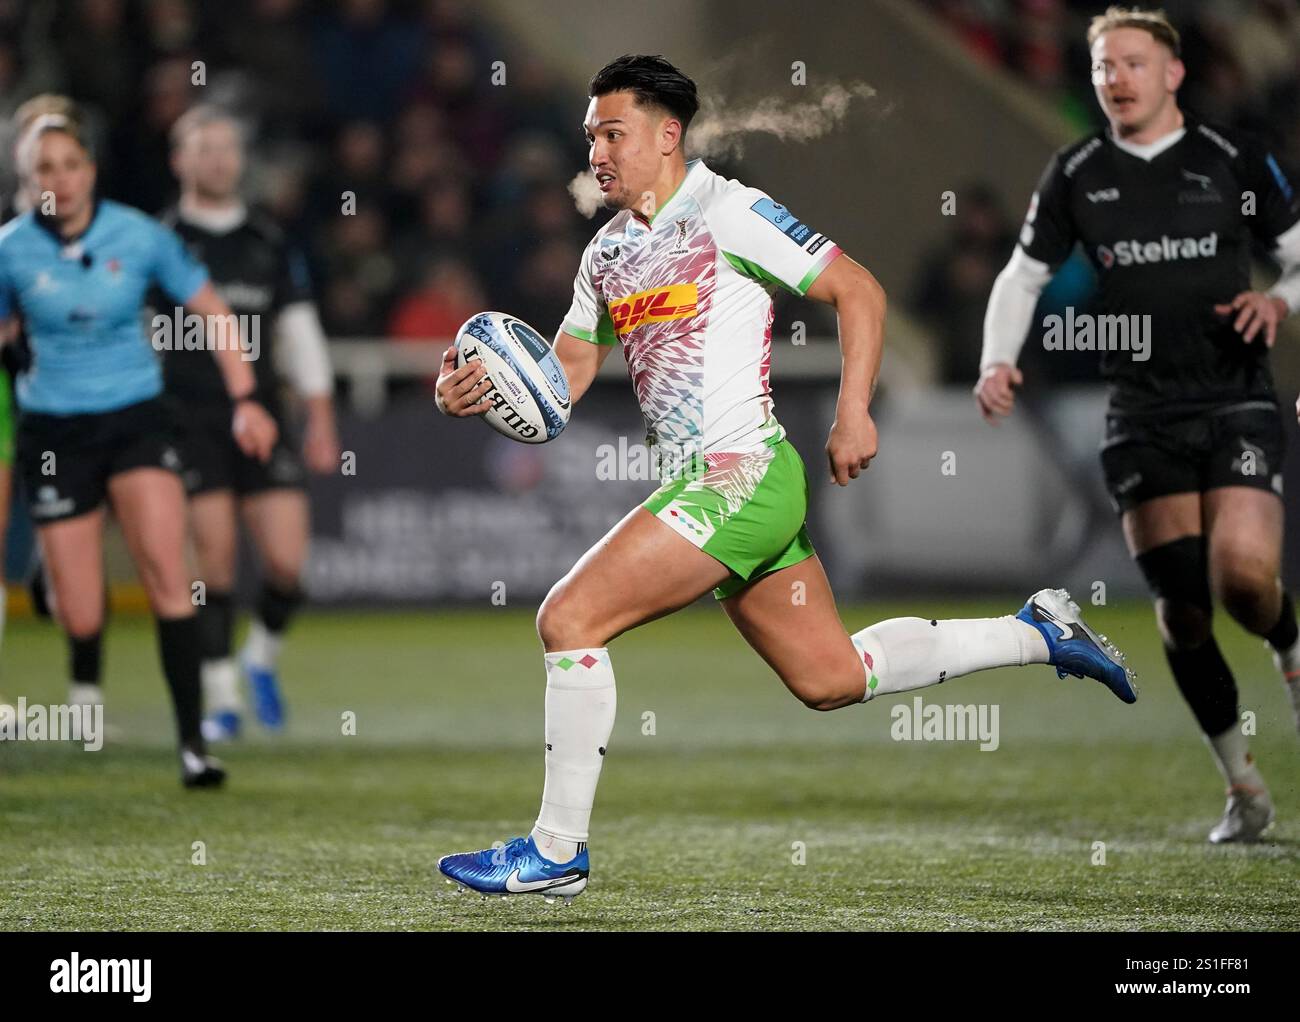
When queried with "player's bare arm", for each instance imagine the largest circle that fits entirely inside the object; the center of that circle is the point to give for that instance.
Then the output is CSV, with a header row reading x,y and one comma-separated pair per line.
x,y
320,446
581,360
859,301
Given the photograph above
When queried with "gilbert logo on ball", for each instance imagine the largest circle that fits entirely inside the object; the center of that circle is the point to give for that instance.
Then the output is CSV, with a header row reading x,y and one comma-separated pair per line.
x,y
528,389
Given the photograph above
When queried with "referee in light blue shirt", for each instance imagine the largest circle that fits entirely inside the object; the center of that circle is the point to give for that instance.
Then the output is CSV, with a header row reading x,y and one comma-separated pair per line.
x,y
76,270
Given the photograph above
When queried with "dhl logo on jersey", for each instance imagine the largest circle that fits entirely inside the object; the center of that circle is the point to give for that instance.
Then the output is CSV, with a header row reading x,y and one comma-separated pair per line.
x,y
677,301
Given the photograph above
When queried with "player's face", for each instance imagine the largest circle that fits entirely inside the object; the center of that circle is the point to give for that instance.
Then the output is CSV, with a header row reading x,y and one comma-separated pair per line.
x,y
1135,77
211,160
626,151
61,168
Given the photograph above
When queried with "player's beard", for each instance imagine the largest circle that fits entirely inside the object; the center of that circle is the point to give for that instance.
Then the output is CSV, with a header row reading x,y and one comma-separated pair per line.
x,y
617,199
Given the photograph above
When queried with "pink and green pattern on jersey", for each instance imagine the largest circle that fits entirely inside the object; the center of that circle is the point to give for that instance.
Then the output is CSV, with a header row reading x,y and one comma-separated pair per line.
x,y
665,289
688,295
746,510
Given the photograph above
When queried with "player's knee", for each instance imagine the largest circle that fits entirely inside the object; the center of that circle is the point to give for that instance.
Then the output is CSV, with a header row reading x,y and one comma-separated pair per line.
x,y
164,581
80,618
283,573
1178,575
828,688
563,624
1183,625
217,567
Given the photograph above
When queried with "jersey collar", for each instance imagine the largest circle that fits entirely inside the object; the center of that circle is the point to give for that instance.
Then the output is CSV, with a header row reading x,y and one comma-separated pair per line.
x,y
50,224
214,221
1150,150
694,170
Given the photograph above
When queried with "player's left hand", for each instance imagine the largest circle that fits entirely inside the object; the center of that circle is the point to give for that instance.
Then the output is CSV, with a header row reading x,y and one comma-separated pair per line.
x,y
1256,311
851,446
320,446
254,430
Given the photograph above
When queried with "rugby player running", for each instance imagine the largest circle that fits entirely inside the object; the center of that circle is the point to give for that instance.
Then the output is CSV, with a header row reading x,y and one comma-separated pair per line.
x,y
682,278
1165,206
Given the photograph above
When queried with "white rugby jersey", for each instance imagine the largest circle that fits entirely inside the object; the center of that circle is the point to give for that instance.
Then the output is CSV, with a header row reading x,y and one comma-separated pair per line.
x,y
688,294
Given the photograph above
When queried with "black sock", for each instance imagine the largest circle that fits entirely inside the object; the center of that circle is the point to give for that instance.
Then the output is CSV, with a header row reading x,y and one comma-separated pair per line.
x,y
1286,631
277,606
217,624
178,644
1206,682
85,658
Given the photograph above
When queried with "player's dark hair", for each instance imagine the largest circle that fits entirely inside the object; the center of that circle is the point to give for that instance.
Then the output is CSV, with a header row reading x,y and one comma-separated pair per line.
x,y
653,81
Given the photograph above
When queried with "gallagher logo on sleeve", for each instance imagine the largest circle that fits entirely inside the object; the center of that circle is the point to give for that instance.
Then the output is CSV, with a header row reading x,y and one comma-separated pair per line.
x,y
780,217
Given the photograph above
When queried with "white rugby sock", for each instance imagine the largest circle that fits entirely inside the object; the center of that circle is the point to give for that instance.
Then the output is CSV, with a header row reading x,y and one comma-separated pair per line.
x,y
1232,757
904,653
221,685
1288,665
580,704
262,647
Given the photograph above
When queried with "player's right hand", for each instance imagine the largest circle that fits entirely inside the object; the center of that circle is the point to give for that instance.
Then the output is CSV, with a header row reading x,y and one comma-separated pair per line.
x,y
254,430
460,391
995,394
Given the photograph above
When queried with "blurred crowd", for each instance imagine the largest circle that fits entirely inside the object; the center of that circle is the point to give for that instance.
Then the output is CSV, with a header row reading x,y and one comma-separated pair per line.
x,y
1242,56
459,185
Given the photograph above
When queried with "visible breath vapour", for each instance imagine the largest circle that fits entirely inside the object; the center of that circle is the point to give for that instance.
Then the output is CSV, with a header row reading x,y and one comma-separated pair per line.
x,y
722,128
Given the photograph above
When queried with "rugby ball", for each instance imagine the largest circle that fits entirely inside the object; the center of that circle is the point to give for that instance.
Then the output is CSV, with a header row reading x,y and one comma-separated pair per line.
x,y
529,391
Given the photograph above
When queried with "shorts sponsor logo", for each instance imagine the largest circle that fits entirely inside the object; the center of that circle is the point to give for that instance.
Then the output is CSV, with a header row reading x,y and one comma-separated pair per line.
x,y
49,504
677,301
1104,195
1128,483
777,215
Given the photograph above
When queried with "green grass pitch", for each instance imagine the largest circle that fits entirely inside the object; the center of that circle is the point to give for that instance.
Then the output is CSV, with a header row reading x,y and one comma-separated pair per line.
x,y
743,809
